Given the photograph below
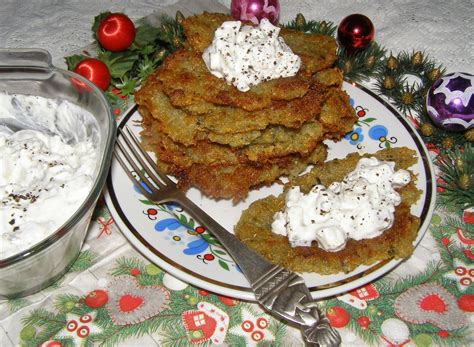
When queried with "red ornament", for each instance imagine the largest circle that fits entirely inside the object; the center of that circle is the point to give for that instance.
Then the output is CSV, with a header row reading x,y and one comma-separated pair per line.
x,y
443,334
135,271
363,321
97,298
355,32
116,32
338,317
51,343
254,10
227,301
466,302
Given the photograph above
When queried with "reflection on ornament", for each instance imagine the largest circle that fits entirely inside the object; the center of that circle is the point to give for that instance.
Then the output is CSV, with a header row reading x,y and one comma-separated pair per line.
x,y
254,10
450,102
355,32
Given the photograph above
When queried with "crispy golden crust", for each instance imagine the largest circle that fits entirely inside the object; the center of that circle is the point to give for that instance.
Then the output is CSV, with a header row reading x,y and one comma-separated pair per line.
x,y
235,181
226,142
187,81
254,226
317,52
210,118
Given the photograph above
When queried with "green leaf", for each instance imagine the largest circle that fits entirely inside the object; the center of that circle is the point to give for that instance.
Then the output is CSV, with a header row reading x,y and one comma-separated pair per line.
x,y
223,265
96,22
368,120
119,63
218,251
73,60
146,202
145,35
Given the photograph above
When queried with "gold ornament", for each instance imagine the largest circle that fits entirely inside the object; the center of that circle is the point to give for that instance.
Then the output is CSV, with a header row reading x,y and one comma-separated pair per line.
x,y
388,82
369,62
176,42
447,142
322,26
179,17
392,63
417,58
347,66
469,135
160,54
300,21
464,182
407,98
426,129
459,164
434,75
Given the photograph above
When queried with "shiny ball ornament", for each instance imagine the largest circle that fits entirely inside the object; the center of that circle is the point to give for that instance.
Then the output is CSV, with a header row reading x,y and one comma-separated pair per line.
x,y
355,32
450,102
255,10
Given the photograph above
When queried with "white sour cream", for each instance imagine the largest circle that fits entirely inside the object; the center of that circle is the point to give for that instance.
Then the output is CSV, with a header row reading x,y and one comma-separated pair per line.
x,y
43,179
360,207
245,55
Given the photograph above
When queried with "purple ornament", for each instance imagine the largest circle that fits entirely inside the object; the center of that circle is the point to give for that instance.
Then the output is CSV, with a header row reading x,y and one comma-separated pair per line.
x,y
450,102
254,10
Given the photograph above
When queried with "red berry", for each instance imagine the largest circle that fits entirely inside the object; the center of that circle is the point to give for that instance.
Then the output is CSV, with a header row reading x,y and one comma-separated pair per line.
x,y
338,317
209,257
199,229
445,241
116,32
96,298
135,271
443,334
227,301
203,292
466,302
363,321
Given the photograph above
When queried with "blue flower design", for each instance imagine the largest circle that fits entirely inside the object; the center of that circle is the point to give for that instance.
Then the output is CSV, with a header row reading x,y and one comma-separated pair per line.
x,y
167,223
196,247
144,186
380,133
355,136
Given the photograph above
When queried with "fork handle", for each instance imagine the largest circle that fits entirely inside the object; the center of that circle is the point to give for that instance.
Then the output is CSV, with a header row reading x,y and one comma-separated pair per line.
x,y
247,259
277,289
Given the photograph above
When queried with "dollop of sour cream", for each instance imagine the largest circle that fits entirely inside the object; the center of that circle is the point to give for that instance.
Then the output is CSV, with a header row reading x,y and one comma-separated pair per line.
x,y
360,207
43,179
246,55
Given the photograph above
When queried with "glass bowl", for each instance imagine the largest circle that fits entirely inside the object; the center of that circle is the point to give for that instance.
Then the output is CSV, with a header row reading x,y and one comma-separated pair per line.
x,y
30,72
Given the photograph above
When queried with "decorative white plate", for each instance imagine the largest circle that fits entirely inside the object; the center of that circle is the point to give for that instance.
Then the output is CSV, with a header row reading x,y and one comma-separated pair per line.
x,y
168,237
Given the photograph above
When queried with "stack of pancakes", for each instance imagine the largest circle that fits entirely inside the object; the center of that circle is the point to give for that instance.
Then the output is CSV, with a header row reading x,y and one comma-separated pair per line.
x,y
225,142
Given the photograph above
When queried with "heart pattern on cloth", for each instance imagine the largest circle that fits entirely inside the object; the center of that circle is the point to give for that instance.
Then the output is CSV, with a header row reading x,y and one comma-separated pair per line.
x,y
131,303
430,303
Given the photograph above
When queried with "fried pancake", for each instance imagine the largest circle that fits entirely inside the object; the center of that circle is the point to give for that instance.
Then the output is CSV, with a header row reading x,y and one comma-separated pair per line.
x,y
317,52
275,143
228,120
235,181
254,226
186,81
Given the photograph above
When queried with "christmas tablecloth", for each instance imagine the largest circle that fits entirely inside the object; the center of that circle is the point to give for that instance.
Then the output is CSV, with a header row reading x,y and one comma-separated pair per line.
x,y
114,296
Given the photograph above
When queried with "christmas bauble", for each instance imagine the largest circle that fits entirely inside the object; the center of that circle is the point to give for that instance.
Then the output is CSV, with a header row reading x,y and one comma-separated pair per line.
x,y
255,10
355,32
450,101
338,316
97,298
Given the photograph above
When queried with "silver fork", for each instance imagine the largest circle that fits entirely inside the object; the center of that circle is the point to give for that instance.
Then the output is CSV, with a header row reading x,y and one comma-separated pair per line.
x,y
282,292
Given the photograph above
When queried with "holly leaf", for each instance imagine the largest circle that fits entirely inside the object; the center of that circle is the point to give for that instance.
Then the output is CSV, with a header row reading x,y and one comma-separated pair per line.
x,y
96,22
145,36
119,63
73,60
